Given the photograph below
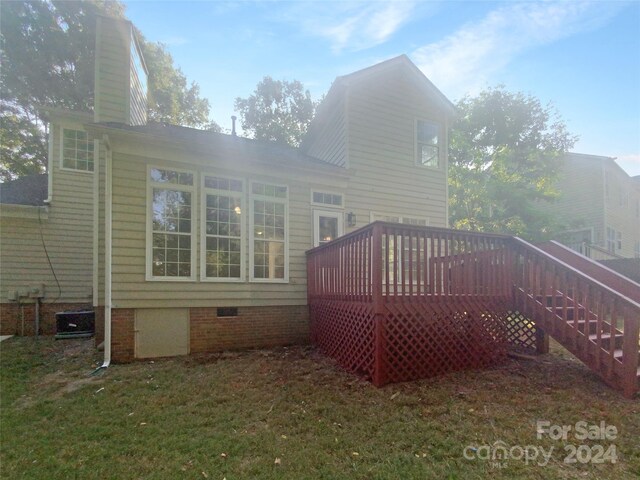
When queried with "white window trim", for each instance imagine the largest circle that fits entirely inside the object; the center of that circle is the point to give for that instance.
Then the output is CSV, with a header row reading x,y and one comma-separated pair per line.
x,y
71,126
317,213
326,205
149,233
203,229
441,139
285,201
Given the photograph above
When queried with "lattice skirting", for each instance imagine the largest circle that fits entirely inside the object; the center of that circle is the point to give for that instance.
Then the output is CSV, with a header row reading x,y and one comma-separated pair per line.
x,y
430,338
419,339
344,331
521,333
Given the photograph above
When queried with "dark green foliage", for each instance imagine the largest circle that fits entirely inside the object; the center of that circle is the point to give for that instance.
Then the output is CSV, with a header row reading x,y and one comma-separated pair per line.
x,y
277,111
506,152
48,57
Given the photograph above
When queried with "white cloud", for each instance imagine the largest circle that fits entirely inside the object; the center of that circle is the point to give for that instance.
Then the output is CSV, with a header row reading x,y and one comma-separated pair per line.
x,y
466,60
352,25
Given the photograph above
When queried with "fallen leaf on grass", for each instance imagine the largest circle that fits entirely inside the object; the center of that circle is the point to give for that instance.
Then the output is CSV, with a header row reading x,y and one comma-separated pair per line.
x,y
277,461
204,474
394,395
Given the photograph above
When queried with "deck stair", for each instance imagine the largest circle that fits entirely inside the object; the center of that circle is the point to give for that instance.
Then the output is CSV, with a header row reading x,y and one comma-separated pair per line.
x,y
395,302
579,303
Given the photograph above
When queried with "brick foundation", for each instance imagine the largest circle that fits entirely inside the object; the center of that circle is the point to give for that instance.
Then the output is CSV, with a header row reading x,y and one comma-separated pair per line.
x,y
11,317
122,335
254,327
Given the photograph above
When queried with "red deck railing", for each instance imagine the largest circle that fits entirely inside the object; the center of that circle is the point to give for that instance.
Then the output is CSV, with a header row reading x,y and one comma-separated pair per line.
x,y
396,302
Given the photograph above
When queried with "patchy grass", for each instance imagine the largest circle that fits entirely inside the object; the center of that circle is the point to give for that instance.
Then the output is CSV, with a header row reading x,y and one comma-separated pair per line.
x,y
232,415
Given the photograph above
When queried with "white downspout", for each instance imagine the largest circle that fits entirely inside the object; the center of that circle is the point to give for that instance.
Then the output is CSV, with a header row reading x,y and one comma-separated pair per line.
x,y
96,222
107,254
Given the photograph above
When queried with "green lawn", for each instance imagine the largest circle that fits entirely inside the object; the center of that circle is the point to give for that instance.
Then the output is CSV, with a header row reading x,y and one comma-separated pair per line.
x,y
232,415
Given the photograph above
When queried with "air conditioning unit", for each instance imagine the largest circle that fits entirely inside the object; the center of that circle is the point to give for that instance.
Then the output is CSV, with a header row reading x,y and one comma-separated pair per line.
x,y
75,324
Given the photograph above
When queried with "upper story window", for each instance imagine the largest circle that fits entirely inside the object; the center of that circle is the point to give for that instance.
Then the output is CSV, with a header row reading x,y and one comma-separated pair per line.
x,y
427,144
269,232
171,243
222,218
77,150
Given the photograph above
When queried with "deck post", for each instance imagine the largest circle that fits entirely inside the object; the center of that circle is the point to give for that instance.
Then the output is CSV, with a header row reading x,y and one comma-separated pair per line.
x,y
379,373
630,355
542,341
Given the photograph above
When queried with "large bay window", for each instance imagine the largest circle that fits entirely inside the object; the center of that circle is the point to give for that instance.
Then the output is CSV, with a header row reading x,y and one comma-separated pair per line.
x,y
170,239
222,217
269,232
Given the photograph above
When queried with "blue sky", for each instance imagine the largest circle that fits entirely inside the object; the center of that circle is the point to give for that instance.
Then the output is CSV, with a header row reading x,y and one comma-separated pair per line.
x,y
582,56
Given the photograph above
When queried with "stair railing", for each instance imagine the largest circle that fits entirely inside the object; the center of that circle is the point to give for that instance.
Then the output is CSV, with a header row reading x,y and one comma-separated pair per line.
x,y
596,323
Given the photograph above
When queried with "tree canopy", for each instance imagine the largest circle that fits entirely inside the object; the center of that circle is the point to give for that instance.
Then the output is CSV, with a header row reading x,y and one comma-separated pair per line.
x,y
505,153
47,53
277,111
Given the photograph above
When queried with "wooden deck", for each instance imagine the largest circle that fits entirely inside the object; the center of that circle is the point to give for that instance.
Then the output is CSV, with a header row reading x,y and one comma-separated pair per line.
x,y
398,302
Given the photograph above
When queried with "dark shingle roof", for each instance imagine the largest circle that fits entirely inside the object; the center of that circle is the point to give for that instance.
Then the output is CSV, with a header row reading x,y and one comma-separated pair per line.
x,y
28,190
249,148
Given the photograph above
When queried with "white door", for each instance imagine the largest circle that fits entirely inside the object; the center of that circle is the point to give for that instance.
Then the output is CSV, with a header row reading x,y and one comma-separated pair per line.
x,y
327,225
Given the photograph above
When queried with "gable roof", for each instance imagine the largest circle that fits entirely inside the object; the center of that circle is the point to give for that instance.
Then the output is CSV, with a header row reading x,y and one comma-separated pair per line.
x,y
341,84
401,62
27,190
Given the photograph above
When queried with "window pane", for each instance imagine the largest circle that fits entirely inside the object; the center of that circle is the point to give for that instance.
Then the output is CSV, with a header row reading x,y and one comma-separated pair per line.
x,y
428,155
160,175
77,150
328,229
223,229
171,226
427,133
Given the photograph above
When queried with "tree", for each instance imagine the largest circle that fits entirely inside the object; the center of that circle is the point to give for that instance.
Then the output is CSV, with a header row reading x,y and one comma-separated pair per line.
x,y
47,53
171,99
505,154
277,111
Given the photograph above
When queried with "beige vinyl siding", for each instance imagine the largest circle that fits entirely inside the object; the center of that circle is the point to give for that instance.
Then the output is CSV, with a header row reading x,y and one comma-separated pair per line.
x,y
112,70
138,94
381,123
584,203
131,290
330,140
68,235
622,216
581,201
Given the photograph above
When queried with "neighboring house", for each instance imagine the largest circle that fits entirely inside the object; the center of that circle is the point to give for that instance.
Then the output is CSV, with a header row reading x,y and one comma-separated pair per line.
x,y
192,241
600,204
